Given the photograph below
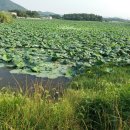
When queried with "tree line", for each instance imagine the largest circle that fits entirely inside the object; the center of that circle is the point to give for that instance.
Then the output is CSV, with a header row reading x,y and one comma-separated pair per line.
x,y
83,17
78,17
27,13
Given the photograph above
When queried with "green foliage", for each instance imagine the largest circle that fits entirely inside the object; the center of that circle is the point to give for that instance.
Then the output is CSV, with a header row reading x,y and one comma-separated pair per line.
x,y
56,16
72,47
54,48
100,77
82,17
108,109
5,17
24,112
96,114
106,104
76,45
28,13
92,108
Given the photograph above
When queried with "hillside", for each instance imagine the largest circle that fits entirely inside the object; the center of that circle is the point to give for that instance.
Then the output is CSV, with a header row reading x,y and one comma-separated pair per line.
x,y
9,5
116,19
45,14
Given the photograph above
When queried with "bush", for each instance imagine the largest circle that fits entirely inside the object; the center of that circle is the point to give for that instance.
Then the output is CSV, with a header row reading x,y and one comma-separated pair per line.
x,y
97,114
106,110
5,17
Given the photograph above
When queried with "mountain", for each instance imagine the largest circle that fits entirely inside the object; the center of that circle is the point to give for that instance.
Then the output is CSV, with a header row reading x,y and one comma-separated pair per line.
x,y
116,19
9,5
45,14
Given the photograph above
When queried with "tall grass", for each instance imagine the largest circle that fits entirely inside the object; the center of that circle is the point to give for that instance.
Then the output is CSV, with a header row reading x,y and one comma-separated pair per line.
x,y
5,17
101,104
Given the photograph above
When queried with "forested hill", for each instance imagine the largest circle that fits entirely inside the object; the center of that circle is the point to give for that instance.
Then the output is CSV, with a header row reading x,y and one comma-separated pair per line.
x,y
9,5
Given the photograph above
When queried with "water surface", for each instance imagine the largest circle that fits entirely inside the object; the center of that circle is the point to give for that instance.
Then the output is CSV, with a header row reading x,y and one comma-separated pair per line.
x,y
23,81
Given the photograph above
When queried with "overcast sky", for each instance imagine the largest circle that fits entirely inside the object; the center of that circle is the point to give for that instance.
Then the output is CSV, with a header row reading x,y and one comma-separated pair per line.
x,y
106,8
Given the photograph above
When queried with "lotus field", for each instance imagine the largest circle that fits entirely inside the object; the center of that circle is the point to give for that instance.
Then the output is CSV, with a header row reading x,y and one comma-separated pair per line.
x,y
62,48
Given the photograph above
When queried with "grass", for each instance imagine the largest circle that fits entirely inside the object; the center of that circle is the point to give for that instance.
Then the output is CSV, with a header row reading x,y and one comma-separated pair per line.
x,y
6,17
97,100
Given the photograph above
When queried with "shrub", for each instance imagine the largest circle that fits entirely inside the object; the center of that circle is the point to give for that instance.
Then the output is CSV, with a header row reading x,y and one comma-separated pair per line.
x,y
5,17
97,114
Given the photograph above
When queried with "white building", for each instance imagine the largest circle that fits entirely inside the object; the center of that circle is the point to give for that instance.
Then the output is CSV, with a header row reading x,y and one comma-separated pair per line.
x,y
14,14
48,17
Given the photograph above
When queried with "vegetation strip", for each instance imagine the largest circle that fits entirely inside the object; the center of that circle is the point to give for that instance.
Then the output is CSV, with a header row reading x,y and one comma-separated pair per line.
x,y
63,48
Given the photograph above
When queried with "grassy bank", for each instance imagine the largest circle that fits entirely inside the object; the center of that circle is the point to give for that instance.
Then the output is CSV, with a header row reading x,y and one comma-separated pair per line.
x,y
96,100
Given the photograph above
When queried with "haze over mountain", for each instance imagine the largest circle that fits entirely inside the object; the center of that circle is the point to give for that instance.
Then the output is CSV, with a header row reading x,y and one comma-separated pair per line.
x,y
46,13
9,5
106,8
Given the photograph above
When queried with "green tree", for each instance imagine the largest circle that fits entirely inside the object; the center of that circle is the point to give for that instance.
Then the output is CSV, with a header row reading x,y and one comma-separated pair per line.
x,y
83,16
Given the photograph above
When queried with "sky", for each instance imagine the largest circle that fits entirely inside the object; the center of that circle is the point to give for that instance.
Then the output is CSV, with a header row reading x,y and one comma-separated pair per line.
x,y
106,8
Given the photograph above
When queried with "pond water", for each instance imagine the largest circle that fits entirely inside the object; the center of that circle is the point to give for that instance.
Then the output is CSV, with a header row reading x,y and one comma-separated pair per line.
x,y
24,81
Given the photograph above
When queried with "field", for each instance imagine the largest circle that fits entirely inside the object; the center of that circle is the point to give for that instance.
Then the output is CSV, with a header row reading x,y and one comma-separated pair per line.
x,y
62,48
95,55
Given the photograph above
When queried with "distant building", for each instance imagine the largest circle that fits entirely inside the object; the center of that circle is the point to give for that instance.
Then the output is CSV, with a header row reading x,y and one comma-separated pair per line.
x,y
14,14
48,17
33,18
